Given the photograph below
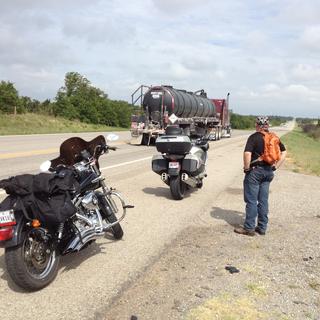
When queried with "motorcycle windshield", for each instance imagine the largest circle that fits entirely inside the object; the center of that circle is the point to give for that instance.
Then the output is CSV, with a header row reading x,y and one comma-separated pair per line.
x,y
70,150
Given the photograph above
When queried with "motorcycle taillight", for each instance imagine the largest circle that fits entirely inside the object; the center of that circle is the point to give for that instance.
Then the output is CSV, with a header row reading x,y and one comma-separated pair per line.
x,y
6,233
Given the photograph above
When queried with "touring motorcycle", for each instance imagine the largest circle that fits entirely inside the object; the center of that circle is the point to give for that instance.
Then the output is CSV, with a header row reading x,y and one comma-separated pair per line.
x,y
57,212
182,162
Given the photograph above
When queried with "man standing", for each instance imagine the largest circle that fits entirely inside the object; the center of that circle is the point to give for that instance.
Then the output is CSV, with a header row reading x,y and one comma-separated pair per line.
x,y
258,175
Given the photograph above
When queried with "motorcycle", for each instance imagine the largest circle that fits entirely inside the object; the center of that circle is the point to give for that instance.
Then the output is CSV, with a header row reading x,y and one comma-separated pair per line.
x,y
182,162
35,242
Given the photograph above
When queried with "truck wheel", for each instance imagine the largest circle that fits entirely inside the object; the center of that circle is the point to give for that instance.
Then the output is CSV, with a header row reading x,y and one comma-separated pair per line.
x,y
229,132
177,187
145,139
217,134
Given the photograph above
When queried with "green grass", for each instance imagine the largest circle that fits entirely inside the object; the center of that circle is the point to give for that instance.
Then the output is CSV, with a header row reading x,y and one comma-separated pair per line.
x,y
31,123
303,151
226,307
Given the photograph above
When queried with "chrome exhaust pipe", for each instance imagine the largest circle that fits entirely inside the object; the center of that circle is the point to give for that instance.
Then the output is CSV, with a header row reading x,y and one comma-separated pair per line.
x,y
184,177
191,181
164,176
79,241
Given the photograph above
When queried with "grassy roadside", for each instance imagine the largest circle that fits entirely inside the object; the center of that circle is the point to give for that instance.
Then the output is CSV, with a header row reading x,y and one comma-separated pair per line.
x,y
30,123
303,152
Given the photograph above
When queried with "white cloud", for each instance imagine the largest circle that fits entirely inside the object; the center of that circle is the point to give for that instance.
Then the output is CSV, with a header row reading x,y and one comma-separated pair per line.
x,y
306,72
310,37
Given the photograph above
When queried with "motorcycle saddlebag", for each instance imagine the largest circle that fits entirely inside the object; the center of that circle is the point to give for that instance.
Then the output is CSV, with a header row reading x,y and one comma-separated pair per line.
x,y
159,164
173,144
192,165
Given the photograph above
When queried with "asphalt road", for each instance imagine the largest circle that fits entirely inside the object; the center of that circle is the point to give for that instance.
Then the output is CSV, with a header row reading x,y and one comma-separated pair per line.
x,y
88,281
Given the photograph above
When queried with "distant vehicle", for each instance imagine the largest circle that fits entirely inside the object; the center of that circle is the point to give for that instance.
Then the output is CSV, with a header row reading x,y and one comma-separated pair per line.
x,y
192,111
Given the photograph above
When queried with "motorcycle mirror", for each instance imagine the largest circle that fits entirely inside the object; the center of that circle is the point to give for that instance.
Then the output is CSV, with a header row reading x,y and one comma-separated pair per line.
x,y
112,137
45,166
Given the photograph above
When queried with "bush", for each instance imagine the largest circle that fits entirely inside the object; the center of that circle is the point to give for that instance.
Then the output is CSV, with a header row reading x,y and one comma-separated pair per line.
x,y
312,130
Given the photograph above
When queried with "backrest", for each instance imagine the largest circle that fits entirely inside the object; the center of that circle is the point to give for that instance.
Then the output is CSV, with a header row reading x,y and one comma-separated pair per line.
x,y
173,131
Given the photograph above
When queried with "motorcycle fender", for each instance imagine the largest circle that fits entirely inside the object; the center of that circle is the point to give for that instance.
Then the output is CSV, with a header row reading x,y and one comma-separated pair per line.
x,y
18,233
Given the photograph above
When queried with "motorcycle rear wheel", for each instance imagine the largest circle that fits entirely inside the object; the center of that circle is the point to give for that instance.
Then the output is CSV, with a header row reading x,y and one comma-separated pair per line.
x,y
177,187
33,264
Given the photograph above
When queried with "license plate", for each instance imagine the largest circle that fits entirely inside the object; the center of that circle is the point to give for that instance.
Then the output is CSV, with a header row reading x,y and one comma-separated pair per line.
x,y
7,218
173,165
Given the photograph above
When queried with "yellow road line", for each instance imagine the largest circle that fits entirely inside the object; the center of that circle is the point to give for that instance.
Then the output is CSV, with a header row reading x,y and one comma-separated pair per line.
x,y
40,152
28,153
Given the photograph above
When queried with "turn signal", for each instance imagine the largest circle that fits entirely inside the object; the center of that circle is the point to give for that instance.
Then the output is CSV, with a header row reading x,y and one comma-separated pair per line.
x,y
36,223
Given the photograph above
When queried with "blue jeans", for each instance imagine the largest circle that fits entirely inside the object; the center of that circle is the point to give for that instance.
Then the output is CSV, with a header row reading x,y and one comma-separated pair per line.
x,y
256,193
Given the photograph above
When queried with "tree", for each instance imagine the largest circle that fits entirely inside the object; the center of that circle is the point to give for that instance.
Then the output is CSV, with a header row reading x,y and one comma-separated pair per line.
x,y
9,98
30,105
78,99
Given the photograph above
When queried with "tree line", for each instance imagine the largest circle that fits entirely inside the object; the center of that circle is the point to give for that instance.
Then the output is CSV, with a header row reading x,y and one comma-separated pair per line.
x,y
239,121
76,100
310,126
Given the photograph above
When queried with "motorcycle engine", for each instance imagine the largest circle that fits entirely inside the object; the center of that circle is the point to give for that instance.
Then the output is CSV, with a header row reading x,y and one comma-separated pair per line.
x,y
87,215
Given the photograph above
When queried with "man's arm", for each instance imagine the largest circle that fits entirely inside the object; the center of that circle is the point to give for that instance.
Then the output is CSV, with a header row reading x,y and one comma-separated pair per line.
x,y
247,160
281,161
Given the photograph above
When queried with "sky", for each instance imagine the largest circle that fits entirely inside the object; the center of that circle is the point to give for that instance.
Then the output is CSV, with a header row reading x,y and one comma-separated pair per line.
x,y
266,53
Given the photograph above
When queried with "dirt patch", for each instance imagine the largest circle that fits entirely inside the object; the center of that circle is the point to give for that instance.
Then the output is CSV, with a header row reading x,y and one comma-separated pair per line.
x,y
277,279
279,272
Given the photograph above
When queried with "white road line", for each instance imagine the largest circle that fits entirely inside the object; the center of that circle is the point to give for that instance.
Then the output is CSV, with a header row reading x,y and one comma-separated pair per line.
x,y
110,167
126,163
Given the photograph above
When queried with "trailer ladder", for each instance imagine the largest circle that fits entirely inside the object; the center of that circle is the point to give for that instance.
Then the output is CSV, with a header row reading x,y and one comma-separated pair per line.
x,y
138,94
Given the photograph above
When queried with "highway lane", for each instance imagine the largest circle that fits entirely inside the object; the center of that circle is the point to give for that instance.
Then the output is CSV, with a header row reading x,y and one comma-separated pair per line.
x,y
24,154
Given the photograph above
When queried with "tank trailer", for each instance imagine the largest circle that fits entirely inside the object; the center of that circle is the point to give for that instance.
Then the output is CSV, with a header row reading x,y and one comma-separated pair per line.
x,y
192,111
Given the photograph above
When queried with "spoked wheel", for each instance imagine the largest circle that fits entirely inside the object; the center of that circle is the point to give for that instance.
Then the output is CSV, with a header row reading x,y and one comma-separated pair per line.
x,y
107,207
33,264
116,229
177,187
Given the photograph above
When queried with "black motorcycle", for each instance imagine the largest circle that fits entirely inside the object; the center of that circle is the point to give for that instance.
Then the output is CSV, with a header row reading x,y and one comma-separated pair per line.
x,y
182,162
58,212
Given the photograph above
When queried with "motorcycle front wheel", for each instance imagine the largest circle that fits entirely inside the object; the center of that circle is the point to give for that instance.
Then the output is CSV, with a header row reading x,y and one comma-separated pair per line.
x,y
177,187
110,217
33,264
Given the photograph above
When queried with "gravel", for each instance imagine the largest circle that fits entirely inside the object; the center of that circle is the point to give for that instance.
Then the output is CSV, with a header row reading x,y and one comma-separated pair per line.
x,y
279,272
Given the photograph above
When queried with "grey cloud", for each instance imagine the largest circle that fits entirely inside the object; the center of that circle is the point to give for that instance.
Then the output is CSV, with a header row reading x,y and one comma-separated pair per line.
x,y
299,12
172,7
30,5
96,30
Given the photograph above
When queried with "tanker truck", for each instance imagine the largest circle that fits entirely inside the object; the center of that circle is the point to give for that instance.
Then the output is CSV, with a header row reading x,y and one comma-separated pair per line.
x,y
192,111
